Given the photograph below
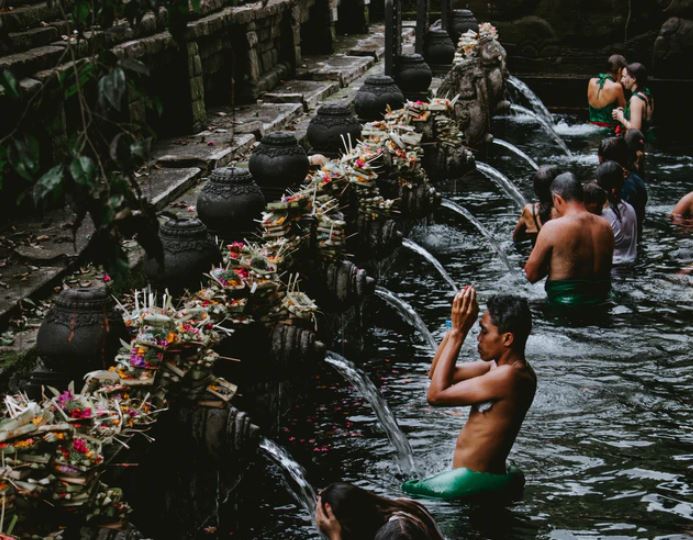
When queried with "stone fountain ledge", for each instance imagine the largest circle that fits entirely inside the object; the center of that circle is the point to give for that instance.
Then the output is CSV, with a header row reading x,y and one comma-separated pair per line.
x,y
37,256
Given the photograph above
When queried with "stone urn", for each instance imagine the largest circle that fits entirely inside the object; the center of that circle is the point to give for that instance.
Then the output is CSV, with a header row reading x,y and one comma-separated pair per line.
x,y
81,332
462,20
333,123
377,92
413,75
189,252
278,163
439,49
230,202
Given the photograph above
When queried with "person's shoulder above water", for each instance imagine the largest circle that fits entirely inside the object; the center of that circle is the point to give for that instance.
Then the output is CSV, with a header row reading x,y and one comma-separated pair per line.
x,y
684,208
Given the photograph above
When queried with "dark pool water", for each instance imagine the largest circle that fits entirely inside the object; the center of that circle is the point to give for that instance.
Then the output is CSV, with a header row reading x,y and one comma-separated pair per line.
x,y
607,447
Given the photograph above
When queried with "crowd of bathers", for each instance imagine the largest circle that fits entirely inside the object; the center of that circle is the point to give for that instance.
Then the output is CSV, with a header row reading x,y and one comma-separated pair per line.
x,y
581,232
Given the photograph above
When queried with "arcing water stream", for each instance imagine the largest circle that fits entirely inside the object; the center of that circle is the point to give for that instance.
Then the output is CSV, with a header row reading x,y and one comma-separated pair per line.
x,y
526,92
503,182
543,123
408,313
515,150
416,248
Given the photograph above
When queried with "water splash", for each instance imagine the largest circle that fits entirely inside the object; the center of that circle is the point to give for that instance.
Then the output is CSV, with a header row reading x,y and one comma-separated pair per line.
x,y
466,214
368,390
546,125
416,248
408,313
534,101
295,476
502,182
515,150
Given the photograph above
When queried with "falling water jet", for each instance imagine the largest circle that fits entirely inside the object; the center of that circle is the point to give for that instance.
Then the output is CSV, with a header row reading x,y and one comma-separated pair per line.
x,y
408,313
368,390
466,214
416,248
502,182
299,488
547,127
515,150
534,101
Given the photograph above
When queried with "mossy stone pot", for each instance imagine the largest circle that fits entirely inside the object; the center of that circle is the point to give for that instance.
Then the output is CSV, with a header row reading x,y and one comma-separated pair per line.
x,y
189,252
413,74
462,20
377,92
278,163
438,48
333,124
230,202
80,333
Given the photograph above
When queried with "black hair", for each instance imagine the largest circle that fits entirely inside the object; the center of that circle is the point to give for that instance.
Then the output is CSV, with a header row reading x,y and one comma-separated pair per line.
x,y
541,180
614,149
593,193
402,528
639,73
635,142
510,313
615,62
567,186
361,513
610,179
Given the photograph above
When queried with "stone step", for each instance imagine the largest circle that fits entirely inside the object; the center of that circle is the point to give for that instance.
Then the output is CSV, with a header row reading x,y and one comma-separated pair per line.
x,y
23,64
29,39
29,16
273,116
309,93
342,68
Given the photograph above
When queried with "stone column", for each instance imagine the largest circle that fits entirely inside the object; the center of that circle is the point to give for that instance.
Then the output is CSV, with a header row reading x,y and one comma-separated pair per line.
x,y
253,62
198,110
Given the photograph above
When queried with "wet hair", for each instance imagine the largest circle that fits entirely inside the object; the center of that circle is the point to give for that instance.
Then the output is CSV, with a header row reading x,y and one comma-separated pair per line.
x,y
401,528
542,179
610,179
615,62
361,513
567,186
639,73
593,193
510,313
614,149
635,142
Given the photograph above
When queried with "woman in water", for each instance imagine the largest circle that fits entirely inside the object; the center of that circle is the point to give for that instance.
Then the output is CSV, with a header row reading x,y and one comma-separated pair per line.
x,y
605,93
620,215
534,215
637,114
347,512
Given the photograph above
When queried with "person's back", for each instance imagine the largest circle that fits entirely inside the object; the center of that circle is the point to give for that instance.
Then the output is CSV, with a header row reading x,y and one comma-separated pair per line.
x,y
634,192
620,215
574,250
605,93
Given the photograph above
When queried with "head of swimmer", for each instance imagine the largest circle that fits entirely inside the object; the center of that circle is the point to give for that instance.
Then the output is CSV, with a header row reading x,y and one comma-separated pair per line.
x,y
504,327
634,77
566,189
615,66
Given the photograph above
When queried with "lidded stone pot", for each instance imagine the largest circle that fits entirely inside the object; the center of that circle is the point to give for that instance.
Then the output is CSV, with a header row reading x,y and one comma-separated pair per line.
x,y
377,92
278,163
413,75
462,20
230,202
81,332
189,252
334,122
438,48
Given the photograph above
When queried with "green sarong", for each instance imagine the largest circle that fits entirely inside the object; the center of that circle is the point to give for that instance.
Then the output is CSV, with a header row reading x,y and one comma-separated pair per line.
x,y
577,292
464,483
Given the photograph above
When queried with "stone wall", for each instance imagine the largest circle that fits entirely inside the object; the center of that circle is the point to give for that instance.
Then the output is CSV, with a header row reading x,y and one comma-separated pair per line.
x,y
575,36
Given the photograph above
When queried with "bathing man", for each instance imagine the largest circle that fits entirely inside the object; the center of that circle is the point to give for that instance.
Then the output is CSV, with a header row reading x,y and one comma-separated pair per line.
x,y
500,387
574,250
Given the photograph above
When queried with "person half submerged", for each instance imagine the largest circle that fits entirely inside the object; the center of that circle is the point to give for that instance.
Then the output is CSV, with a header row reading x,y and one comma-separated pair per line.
x,y
500,389
573,250
639,110
535,214
348,512
605,93
620,215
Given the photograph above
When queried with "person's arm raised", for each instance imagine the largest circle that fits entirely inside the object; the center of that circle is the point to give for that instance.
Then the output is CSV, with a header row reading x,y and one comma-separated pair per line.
x,y
537,265
463,315
463,372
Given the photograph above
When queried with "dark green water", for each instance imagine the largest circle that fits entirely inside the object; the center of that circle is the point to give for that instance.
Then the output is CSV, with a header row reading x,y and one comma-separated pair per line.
x,y
607,447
